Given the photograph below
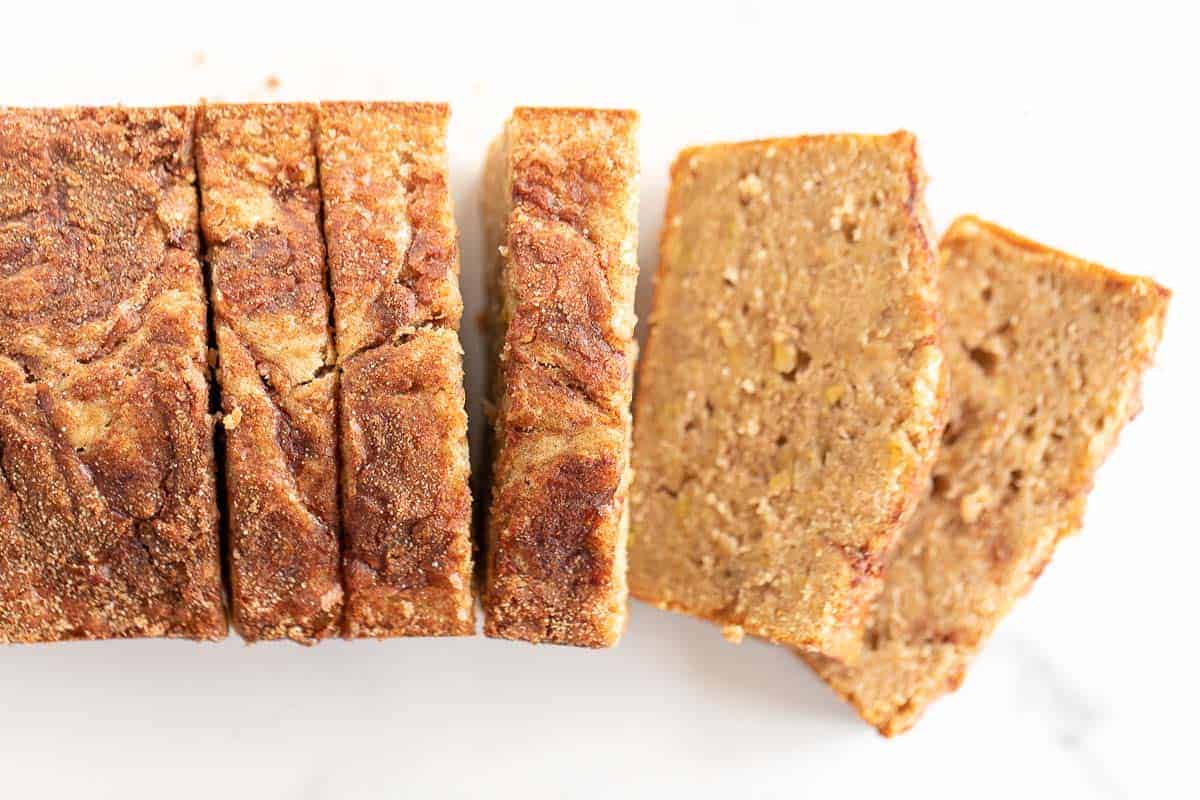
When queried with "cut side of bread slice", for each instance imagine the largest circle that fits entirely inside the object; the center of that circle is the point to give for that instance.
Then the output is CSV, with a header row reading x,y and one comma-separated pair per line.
x,y
792,388
1046,354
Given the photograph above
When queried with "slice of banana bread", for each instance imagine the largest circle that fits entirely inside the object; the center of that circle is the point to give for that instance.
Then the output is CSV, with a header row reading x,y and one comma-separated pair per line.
x,y
1046,354
261,218
108,518
792,386
393,263
560,204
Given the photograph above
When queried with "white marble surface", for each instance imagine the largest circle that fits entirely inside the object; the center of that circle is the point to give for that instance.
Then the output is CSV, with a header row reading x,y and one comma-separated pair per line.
x,y
1072,125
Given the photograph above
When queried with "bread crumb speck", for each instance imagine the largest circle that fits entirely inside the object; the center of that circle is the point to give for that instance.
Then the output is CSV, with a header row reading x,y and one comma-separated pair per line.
x,y
232,419
971,506
750,187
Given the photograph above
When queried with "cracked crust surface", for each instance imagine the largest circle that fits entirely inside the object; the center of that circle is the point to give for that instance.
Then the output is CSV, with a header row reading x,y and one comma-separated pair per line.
x,y
261,221
407,502
389,222
792,386
393,261
108,519
561,210
1046,354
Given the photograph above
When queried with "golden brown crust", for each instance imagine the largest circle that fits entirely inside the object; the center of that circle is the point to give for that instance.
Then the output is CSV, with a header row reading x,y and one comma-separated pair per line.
x,y
406,499
262,226
791,388
108,521
563,191
1046,354
393,263
389,222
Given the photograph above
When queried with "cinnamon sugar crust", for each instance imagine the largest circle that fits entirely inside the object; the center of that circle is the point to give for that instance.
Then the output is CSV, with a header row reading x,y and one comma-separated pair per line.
x,y
108,520
389,221
408,562
560,203
1046,353
393,261
261,218
792,386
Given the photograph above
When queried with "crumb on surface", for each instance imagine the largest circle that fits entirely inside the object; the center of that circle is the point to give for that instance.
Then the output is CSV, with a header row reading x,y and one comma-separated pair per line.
x,y
734,634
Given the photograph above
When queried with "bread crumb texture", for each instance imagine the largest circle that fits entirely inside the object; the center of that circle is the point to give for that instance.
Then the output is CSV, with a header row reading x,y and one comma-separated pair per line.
x,y
261,220
792,387
561,209
1046,354
108,519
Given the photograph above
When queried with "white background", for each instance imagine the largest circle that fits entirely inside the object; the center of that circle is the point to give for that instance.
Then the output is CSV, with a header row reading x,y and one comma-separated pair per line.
x,y
1076,126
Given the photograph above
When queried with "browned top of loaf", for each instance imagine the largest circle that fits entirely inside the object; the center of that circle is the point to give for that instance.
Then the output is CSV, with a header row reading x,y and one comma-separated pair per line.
x,y
388,220
791,388
262,226
393,263
1046,353
107,510
407,506
571,270
258,172
565,283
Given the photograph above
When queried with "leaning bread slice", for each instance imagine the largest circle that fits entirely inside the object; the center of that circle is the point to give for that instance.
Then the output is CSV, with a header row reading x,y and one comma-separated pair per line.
x,y
561,209
792,386
393,264
1046,354
108,517
261,218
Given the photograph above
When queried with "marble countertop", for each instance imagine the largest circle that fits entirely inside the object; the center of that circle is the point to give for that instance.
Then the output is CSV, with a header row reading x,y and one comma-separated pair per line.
x,y
1072,129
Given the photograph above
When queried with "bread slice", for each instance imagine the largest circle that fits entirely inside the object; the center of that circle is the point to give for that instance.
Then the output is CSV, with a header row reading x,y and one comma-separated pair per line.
x,y
393,262
792,386
561,211
261,219
1046,354
108,518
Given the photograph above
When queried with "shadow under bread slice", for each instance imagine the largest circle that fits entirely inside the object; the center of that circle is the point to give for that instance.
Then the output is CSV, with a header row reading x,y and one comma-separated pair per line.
x,y
792,389
108,518
1046,354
